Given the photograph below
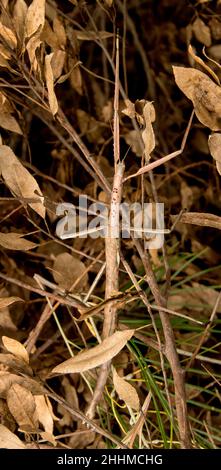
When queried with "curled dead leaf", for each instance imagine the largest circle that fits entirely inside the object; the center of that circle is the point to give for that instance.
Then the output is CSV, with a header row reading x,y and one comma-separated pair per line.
x,y
67,269
8,121
16,364
126,391
214,143
90,126
19,16
132,139
35,17
34,24
7,379
44,413
144,113
148,133
96,356
202,32
57,63
204,94
8,36
53,103
75,75
92,35
60,32
8,440
22,406
4,52
19,180
14,347
14,241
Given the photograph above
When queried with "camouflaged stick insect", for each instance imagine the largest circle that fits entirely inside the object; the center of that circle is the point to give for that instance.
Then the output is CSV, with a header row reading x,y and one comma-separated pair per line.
x,y
112,245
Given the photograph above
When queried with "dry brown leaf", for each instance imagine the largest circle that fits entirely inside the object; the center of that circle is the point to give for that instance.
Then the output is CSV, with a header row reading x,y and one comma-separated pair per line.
x,y
67,269
75,76
198,298
218,166
6,301
215,27
204,94
9,123
19,180
4,63
82,438
8,440
6,322
126,391
148,133
49,36
16,364
8,36
5,53
5,104
133,140
6,417
91,35
44,414
19,16
14,241
65,76
35,17
59,30
57,63
144,113
48,437
214,143
202,32
207,295
34,24
96,356
90,127
14,347
107,111
22,406
130,109
7,380
53,103
215,52
203,64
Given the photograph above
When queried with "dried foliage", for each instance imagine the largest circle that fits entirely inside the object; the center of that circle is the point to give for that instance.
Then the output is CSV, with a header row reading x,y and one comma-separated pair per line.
x,y
96,333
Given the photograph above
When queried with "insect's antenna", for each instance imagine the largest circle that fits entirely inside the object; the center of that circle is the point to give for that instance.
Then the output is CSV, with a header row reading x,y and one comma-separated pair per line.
x,y
125,156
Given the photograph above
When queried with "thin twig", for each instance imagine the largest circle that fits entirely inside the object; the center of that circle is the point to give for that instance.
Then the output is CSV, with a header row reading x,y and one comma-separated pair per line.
x,y
63,300
170,351
165,159
34,334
